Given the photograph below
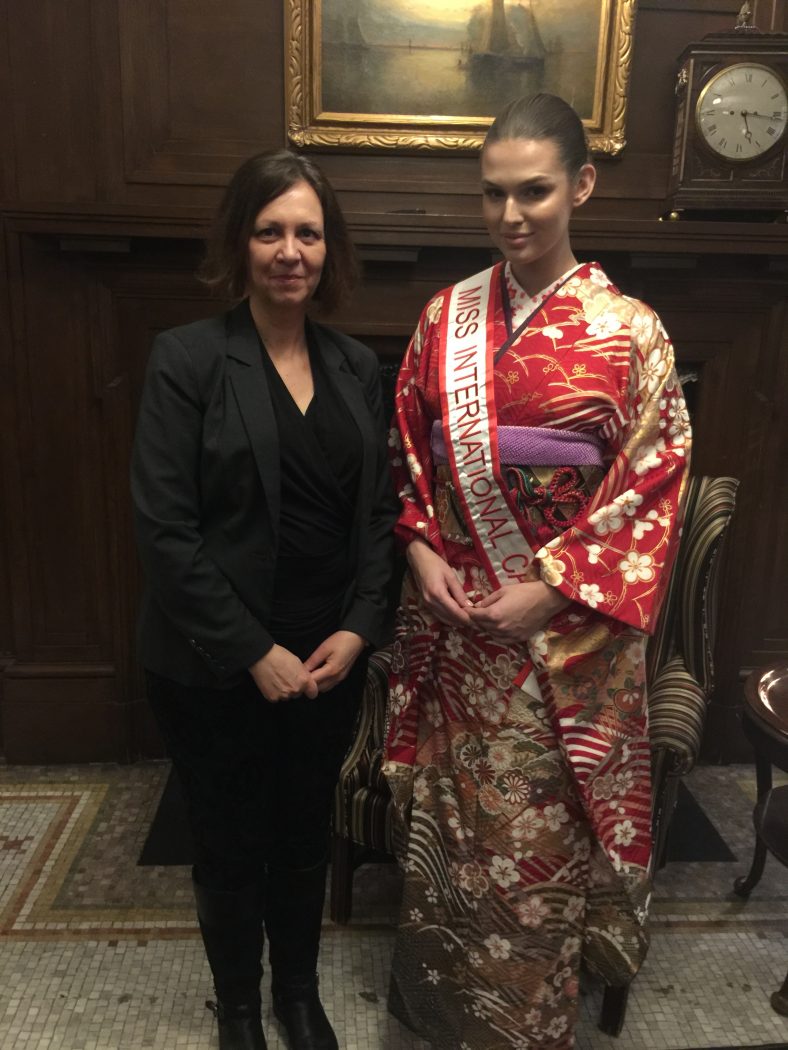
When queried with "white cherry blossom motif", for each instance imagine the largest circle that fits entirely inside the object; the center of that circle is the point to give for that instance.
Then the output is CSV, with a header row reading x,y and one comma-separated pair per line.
x,y
570,288
574,908
677,422
637,567
433,712
625,780
604,786
475,959
503,872
646,457
473,688
605,325
432,976
607,519
629,502
397,657
653,369
527,825
642,327
598,277
473,880
457,828
480,1009
553,569
504,671
492,706
453,644
399,698
421,789
414,466
498,947
644,525
532,911
480,581
434,310
537,643
557,1026
623,833
616,935
594,550
591,594
552,331
555,816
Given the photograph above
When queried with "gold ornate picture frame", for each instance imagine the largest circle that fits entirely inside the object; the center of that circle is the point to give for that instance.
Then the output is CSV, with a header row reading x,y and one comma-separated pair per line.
x,y
429,75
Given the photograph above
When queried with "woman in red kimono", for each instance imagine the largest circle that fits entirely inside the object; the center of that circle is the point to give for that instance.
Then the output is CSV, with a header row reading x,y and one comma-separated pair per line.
x,y
540,451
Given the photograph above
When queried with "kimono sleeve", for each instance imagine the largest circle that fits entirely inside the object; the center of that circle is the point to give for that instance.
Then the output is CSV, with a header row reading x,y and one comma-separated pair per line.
x,y
617,558
409,439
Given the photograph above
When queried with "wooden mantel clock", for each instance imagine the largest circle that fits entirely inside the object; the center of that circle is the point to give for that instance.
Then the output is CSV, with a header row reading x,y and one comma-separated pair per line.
x,y
731,145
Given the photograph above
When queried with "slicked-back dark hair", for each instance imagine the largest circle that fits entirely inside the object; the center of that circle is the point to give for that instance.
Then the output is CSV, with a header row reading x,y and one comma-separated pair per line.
x,y
542,117
258,181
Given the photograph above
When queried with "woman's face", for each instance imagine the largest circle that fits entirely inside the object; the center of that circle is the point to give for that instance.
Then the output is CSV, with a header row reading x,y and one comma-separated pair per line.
x,y
528,199
287,249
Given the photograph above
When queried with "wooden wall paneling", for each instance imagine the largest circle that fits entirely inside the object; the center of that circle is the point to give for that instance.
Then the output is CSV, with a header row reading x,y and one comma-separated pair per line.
x,y
9,466
7,155
51,100
764,628
725,328
201,87
106,80
59,693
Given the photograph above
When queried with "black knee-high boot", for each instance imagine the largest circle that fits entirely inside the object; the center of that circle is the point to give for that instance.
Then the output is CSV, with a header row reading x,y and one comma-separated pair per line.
x,y
231,923
293,916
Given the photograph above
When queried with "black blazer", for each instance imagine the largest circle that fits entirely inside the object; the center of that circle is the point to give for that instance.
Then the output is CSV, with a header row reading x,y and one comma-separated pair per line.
x,y
205,491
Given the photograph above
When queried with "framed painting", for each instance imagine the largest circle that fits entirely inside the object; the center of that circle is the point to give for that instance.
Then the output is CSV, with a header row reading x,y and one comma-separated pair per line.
x,y
416,75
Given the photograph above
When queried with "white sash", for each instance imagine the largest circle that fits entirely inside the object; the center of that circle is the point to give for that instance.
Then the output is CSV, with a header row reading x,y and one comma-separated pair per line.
x,y
470,428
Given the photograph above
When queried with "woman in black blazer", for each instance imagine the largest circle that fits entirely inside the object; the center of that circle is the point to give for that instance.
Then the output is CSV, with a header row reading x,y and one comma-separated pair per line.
x,y
263,514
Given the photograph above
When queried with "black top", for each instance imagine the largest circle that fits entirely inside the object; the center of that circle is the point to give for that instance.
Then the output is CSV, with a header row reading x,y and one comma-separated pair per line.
x,y
320,463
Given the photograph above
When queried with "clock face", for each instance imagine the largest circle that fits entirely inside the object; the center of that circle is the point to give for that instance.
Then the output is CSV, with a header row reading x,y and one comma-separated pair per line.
x,y
742,111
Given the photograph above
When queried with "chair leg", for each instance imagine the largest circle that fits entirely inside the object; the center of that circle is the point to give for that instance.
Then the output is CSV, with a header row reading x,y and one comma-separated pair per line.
x,y
341,879
779,999
614,1009
744,885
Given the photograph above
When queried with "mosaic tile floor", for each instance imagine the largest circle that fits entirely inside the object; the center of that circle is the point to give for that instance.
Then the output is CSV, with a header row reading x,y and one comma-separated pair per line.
x,y
97,953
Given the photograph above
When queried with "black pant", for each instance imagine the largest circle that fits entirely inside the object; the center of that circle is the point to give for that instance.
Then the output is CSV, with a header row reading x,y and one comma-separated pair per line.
x,y
258,777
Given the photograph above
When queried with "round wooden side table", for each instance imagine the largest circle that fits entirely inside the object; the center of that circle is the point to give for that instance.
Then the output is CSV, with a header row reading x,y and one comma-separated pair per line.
x,y
765,724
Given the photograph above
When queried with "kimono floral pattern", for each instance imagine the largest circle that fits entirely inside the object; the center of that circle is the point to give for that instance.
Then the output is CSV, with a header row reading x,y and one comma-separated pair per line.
x,y
527,842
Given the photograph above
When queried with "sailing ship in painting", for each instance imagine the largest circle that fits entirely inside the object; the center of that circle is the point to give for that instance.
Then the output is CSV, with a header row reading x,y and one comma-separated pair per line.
x,y
494,36
454,57
506,43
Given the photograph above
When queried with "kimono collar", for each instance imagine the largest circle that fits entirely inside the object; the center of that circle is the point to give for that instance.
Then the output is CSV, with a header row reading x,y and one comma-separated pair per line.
x,y
524,305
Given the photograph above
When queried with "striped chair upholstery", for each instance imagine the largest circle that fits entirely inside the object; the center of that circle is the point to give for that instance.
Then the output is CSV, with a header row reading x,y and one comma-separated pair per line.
x,y
680,673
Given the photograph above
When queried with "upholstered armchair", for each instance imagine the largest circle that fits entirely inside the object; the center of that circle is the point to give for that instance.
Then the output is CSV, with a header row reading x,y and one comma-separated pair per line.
x,y
680,676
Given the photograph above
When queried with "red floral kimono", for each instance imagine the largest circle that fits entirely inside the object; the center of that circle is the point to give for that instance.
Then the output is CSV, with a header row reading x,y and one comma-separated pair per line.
x,y
524,770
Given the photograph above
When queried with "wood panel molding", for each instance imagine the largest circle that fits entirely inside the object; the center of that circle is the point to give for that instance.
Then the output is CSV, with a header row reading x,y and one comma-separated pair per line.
x,y
196,85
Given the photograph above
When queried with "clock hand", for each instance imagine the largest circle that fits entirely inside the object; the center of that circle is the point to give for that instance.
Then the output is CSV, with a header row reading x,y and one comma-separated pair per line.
x,y
747,132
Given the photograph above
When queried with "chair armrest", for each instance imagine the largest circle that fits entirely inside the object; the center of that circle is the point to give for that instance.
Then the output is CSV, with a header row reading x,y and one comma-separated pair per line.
x,y
677,712
362,762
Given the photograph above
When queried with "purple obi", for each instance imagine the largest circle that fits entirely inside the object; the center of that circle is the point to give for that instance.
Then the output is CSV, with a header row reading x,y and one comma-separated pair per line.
x,y
534,446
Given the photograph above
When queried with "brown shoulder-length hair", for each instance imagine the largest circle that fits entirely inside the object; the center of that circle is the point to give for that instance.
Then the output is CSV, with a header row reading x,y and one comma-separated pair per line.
x,y
257,182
